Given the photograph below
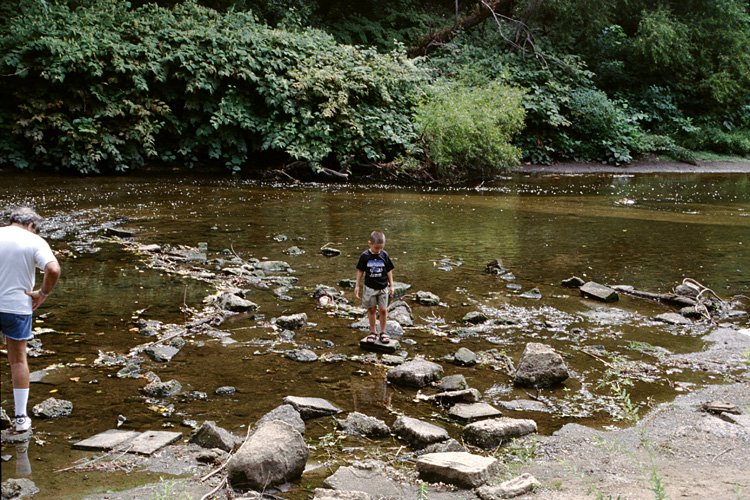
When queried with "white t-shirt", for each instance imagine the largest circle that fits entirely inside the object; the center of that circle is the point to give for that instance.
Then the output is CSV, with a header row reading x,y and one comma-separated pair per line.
x,y
20,252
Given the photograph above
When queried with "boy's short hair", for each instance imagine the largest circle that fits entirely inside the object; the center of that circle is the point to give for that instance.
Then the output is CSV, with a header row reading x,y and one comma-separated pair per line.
x,y
377,238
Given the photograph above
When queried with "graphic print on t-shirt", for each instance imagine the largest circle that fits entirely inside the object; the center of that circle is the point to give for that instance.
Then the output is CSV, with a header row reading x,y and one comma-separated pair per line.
x,y
376,268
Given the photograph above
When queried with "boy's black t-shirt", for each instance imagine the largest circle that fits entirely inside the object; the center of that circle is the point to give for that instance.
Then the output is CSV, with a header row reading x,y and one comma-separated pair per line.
x,y
376,268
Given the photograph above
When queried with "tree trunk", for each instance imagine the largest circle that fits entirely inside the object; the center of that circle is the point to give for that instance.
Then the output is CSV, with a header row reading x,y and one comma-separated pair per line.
x,y
427,44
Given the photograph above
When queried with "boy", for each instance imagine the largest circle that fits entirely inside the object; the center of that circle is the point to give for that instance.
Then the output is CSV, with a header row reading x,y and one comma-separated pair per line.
x,y
377,269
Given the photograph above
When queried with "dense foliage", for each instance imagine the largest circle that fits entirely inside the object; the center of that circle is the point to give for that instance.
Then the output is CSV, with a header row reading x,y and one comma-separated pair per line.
x,y
467,131
100,84
108,87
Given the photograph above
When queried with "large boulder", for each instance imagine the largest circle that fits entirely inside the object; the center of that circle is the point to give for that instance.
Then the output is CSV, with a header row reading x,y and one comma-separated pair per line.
x,y
285,413
415,373
540,366
274,454
492,433
458,468
418,433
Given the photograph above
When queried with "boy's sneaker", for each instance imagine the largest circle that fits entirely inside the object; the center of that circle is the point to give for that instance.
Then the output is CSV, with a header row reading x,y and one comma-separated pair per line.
x,y
23,423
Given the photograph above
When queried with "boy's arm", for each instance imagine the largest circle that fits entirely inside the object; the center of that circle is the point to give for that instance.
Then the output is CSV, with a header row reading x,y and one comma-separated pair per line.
x,y
392,289
359,280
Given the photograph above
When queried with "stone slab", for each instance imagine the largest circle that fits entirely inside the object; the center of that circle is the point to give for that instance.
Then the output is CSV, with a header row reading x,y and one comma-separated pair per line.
x,y
106,440
144,443
473,411
377,346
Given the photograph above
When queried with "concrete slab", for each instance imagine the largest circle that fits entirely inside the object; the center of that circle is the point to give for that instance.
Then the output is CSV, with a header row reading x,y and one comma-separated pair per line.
x,y
378,346
106,440
151,441
144,443
473,412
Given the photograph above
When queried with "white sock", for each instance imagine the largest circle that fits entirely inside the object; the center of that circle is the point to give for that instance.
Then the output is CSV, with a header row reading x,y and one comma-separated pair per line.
x,y
21,398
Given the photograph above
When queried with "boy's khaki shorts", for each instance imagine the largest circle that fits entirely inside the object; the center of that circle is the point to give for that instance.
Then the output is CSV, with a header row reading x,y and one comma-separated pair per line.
x,y
372,298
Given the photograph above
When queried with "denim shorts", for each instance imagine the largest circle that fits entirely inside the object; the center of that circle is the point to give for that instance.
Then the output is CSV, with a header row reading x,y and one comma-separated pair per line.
x,y
16,326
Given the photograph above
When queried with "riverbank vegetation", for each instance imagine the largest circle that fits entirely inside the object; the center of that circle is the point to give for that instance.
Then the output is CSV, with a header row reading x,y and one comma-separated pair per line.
x,y
445,89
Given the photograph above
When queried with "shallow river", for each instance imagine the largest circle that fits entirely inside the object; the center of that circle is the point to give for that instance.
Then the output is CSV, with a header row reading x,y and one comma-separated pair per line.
x,y
649,231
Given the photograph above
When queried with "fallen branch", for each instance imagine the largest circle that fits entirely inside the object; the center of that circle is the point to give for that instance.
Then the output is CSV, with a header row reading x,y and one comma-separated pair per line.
x,y
221,484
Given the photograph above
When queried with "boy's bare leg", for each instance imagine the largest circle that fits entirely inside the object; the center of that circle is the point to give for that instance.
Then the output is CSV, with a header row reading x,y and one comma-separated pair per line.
x,y
383,318
371,316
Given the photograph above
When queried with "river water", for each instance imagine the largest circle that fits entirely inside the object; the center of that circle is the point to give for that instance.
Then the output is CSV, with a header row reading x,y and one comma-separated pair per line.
x,y
649,231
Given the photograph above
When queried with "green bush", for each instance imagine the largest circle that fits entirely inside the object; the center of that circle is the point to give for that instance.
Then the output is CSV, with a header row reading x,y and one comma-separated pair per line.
x,y
109,88
467,131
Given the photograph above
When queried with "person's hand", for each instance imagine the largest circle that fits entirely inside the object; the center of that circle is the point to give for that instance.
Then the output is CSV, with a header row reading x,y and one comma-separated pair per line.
x,y
36,298
392,290
356,291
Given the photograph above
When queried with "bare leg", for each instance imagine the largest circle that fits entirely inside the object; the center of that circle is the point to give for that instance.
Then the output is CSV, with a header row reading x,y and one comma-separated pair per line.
x,y
19,367
383,318
371,316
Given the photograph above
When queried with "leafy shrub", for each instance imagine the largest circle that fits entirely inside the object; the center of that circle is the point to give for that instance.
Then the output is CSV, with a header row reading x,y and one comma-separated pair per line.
x,y
467,131
105,87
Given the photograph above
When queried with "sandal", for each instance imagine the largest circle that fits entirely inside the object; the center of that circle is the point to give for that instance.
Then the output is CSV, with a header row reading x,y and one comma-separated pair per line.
x,y
384,338
371,338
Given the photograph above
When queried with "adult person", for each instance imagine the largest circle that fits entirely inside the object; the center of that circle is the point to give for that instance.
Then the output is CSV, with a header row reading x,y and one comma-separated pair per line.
x,y
21,250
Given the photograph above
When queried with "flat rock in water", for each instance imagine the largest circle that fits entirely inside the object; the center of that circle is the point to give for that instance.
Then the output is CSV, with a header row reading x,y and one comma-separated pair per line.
x,y
427,298
293,321
458,468
369,477
378,346
471,412
524,405
272,266
311,407
415,373
162,353
53,408
672,319
144,443
301,355
596,291
419,433
450,398
359,424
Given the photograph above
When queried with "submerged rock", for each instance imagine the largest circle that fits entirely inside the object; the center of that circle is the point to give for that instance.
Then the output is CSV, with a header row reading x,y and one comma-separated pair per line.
x,y
274,454
162,353
672,319
301,355
540,366
534,293
474,317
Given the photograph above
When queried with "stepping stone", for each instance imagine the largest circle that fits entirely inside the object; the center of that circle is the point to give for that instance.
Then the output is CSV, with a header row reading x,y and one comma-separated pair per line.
x,y
151,441
145,443
472,412
106,440
596,291
378,346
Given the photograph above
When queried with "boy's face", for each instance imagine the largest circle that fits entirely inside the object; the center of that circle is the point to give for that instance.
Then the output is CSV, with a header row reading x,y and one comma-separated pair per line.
x,y
376,248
